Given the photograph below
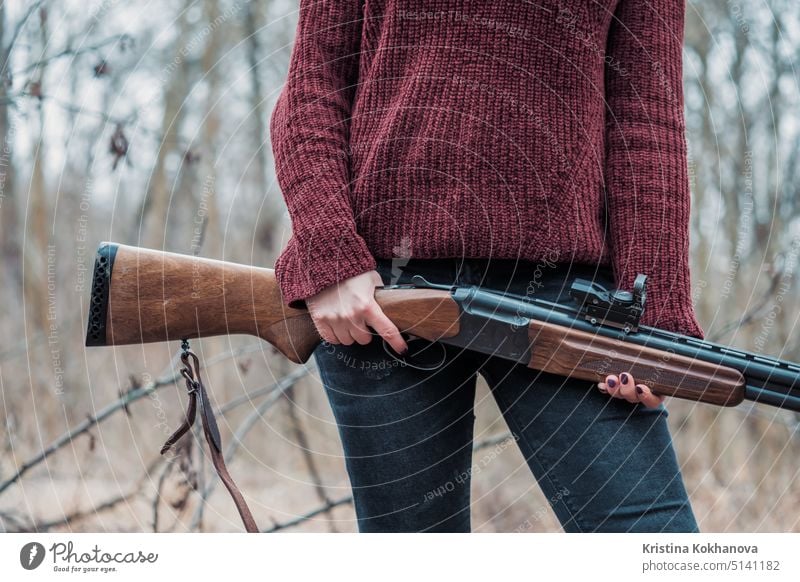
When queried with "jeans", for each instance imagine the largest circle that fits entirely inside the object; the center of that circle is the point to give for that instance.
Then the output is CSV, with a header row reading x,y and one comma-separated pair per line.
x,y
604,464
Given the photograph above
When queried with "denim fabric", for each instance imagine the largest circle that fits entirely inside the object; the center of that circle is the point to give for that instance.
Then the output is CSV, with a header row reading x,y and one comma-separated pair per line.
x,y
604,464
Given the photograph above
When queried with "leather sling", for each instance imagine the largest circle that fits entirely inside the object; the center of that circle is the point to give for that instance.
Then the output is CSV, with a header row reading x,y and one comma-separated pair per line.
x,y
196,390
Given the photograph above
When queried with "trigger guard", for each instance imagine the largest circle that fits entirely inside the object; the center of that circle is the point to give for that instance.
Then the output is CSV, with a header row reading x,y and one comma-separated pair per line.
x,y
409,360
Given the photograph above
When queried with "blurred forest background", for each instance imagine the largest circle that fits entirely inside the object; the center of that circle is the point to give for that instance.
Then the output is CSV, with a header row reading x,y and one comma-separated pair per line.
x,y
147,123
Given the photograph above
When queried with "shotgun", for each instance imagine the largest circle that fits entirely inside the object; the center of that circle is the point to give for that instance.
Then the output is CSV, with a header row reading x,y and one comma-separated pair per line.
x,y
141,295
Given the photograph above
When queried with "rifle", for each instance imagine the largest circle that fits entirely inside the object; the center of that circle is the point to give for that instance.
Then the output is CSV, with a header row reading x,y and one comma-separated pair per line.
x,y
141,295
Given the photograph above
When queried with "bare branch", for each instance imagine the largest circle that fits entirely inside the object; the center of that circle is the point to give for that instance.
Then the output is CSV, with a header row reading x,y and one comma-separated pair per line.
x,y
67,52
325,508
21,24
44,526
108,411
749,316
90,421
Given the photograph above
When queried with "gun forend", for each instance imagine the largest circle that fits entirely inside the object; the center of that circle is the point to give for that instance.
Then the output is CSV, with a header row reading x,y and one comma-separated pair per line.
x,y
576,353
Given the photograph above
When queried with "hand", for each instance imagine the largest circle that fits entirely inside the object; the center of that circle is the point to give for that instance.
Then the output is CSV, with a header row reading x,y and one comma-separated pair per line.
x,y
342,312
625,387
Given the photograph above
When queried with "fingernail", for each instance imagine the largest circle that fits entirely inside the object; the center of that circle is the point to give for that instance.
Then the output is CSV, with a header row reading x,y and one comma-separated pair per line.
x,y
611,383
639,390
624,378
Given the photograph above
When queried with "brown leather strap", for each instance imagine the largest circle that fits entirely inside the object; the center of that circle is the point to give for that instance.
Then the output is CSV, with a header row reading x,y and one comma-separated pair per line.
x,y
194,385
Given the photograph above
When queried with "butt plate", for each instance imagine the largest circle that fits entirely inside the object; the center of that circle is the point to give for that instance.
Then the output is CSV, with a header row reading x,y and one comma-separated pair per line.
x,y
98,304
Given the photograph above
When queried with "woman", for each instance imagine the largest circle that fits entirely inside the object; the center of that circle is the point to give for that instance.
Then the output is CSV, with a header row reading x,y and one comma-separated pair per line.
x,y
513,145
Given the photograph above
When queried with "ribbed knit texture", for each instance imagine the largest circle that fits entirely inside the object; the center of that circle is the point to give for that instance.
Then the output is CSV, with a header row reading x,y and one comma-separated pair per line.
x,y
550,130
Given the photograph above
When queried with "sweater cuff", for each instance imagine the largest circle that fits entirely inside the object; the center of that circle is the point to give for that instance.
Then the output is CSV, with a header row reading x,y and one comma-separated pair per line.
x,y
682,321
311,263
674,314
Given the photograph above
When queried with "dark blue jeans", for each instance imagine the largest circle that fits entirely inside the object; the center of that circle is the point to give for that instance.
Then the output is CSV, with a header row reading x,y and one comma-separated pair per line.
x,y
604,464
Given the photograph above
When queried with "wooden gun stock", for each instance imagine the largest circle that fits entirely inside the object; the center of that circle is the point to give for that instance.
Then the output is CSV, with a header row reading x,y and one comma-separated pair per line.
x,y
141,295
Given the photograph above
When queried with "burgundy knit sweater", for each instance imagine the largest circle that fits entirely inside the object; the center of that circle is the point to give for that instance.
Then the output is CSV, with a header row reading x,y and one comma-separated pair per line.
x,y
532,129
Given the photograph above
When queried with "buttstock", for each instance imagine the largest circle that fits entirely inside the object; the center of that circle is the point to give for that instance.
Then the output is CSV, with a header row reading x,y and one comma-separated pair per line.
x,y
142,295
569,352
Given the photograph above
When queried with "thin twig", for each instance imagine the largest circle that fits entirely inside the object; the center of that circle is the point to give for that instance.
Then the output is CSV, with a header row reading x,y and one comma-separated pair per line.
x,y
21,24
102,115
72,52
247,397
754,312
157,497
13,519
44,526
325,508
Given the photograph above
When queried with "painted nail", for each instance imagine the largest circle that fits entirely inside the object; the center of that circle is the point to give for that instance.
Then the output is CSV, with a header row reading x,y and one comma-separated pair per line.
x,y
611,382
639,390
624,378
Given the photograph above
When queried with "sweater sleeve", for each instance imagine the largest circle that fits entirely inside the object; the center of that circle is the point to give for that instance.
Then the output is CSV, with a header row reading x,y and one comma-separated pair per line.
x,y
646,168
309,130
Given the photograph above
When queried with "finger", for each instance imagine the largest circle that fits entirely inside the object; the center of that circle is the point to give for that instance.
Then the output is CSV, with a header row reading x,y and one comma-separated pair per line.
x,y
601,386
627,388
325,332
385,328
360,332
647,397
612,385
342,331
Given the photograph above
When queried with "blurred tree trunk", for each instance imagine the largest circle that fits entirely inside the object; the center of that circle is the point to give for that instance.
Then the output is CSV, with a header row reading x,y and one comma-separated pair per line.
x,y
735,202
207,194
37,238
770,230
156,205
269,225
9,215
699,143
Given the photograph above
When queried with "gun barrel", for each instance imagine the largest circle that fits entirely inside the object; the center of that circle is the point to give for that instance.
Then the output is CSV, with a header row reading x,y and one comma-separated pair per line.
x,y
779,399
768,380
